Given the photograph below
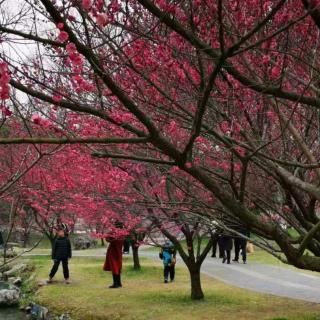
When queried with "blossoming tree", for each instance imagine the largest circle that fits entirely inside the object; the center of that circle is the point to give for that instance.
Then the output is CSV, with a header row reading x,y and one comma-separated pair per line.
x,y
227,92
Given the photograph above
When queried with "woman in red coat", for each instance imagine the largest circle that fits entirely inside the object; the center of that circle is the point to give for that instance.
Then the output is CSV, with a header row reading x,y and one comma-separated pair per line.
x,y
113,261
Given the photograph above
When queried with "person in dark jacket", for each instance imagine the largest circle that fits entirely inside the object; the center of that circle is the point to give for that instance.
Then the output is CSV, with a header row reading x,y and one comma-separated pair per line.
x,y
61,252
215,243
241,244
225,242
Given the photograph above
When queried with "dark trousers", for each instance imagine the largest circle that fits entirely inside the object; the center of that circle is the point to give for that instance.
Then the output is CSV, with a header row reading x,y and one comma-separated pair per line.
x,y
227,255
167,270
126,246
56,266
240,244
117,280
215,244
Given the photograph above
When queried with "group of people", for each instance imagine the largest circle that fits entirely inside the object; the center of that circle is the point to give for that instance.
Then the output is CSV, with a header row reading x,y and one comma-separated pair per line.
x,y
61,253
225,241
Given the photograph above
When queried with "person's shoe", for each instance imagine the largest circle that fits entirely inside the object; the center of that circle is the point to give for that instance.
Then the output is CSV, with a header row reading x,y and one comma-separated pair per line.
x,y
235,260
50,280
244,262
171,280
213,256
228,262
114,286
165,281
66,281
224,259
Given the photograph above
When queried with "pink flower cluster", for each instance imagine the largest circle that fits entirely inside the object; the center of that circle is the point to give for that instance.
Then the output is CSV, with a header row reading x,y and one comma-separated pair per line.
x,y
5,111
75,57
37,119
4,81
86,4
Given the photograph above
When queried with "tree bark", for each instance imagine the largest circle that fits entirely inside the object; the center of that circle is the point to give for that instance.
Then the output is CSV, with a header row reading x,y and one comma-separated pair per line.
x,y
196,290
136,260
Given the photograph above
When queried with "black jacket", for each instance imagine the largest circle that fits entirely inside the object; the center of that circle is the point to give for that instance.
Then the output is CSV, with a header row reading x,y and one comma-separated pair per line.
x,y
243,231
61,249
225,241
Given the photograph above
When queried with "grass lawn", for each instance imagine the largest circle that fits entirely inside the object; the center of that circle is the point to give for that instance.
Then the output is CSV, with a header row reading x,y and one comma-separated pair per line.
x,y
144,296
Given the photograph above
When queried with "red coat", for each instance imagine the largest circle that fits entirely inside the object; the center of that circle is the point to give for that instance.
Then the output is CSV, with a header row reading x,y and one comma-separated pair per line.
x,y
113,260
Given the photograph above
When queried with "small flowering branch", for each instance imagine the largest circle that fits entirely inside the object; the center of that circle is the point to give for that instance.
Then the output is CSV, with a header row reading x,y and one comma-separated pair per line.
x,y
69,140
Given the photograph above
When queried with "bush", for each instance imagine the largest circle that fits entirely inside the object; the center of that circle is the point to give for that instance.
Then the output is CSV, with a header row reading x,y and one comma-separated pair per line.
x,y
84,242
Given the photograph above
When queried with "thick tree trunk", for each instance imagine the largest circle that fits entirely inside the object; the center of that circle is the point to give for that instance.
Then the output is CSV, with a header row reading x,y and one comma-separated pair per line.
x,y
26,237
136,260
196,290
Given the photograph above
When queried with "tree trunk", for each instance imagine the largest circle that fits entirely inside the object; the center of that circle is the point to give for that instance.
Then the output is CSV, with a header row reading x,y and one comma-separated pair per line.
x,y
102,242
136,260
196,290
26,236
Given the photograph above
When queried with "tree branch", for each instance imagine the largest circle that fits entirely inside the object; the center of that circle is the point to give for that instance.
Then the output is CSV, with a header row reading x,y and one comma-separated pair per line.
x,y
69,140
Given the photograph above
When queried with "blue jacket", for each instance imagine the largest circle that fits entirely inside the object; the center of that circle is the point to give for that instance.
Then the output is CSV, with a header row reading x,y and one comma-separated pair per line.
x,y
167,255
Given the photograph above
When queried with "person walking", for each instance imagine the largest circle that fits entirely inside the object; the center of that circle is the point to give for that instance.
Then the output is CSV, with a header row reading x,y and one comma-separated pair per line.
x,y
113,261
240,243
61,252
226,245
216,243
168,256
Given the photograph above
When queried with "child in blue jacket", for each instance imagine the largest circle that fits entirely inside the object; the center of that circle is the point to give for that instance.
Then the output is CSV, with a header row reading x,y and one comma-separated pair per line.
x,y
168,255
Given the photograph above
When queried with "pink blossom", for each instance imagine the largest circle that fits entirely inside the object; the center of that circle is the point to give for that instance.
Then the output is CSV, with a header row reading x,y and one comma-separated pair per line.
x,y
266,59
102,19
71,47
188,165
60,26
174,169
86,4
36,119
71,18
63,36
6,111
4,81
114,6
224,126
271,115
275,72
56,98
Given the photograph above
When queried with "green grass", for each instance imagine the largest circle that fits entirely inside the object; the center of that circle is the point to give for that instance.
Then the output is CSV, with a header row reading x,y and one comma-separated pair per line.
x,y
144,296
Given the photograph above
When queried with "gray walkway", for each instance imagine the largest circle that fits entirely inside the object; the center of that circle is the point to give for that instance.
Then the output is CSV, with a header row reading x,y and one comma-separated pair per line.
x,y
254,276
278,281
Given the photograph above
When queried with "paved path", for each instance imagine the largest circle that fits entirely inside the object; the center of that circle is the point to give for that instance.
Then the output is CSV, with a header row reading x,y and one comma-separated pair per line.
x,y
254,276
274,280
